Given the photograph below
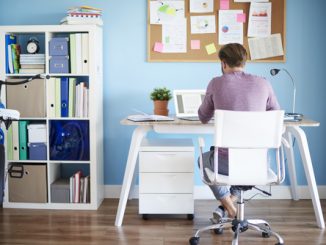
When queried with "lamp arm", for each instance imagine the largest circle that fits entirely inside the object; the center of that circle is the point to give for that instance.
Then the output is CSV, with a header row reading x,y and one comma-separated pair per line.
x,y
294,89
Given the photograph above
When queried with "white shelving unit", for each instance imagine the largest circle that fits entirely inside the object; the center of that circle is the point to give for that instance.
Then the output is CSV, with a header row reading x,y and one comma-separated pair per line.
x,y
94,119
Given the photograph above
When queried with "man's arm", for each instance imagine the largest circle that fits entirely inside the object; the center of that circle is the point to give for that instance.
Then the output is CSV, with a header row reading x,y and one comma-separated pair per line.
x,y
206,110
272,102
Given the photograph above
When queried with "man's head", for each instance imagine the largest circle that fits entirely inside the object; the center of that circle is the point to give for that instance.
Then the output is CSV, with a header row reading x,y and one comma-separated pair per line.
x,y
234,55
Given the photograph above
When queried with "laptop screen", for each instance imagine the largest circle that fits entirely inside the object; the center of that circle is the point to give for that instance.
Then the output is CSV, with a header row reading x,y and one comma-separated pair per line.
x,y
187,102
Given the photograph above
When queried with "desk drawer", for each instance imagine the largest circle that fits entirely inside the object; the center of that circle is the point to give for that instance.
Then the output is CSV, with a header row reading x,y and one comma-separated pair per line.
x,y
166,162
166,183
166,204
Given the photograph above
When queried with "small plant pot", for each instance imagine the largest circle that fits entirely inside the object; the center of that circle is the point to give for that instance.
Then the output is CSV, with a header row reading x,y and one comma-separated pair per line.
x,y
161,107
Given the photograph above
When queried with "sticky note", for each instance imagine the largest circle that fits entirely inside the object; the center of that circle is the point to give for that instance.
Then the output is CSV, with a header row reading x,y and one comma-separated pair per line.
x,y
241,18
195,44
158,47
224,4
171,11
210,48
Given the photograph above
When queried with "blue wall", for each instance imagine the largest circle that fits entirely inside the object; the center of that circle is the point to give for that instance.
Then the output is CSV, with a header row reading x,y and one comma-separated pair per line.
x,y
128,78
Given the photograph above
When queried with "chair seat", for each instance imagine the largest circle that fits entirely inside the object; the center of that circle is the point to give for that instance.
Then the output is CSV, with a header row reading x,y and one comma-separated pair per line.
x,y
225,179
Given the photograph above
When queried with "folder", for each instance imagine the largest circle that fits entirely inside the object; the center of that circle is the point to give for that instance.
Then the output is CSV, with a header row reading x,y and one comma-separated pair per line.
x,y
57,103
10,153
10,39
28,99
72,45
78,53
51,97
85,53
22,140
72,97
64,96
15,140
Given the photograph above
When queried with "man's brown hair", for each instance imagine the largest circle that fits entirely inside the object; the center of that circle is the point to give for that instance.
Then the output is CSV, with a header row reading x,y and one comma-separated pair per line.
x,y
233,54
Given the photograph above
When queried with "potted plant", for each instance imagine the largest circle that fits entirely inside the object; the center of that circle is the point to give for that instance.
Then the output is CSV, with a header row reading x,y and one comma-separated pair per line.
x,y
161,97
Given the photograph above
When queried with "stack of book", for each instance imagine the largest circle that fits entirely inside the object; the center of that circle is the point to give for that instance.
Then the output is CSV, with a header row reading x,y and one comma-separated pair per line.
x,y
12,54
32,63
83,15
79,188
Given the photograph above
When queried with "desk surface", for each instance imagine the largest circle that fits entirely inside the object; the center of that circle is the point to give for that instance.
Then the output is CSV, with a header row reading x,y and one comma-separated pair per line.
x,y
305,122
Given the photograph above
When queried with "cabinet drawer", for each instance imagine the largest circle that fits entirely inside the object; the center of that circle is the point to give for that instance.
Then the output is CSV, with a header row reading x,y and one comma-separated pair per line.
x,y
166,162
166,204
166,183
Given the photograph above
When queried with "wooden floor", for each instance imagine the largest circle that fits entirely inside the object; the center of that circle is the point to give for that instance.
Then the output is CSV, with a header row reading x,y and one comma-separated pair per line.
x,y
293,220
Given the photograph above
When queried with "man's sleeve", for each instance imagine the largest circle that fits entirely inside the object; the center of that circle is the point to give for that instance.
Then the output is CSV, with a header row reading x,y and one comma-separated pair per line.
x,y
206,110
272,103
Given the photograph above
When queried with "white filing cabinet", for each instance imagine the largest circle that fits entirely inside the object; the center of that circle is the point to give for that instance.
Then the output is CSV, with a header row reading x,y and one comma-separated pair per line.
x,y
166,177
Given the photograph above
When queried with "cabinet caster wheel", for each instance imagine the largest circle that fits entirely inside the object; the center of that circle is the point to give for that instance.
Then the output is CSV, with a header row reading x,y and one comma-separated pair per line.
x,y
218,231
265,234
194,240
145,216
190,216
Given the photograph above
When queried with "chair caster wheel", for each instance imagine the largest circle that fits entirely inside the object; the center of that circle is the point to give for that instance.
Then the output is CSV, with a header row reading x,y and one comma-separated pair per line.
x,y
218,231
279,243
145,216
190,216
265,234
194,240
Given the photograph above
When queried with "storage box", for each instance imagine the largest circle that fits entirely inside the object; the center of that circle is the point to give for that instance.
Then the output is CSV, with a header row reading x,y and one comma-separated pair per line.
x,y
36,133
28,99
60,191
58,46
27,183
37,151
59,64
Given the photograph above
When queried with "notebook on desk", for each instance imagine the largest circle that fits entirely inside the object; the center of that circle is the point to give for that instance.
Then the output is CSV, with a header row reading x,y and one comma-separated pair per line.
x,y
187,102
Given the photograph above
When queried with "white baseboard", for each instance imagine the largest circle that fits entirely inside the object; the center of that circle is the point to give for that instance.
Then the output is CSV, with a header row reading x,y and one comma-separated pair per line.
x,y
203,192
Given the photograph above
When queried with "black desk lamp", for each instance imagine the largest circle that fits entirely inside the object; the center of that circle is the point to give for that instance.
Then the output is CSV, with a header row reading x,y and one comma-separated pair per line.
x,y
293,114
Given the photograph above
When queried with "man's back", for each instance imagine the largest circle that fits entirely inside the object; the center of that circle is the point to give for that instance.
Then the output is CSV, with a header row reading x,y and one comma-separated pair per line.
x,y
237,91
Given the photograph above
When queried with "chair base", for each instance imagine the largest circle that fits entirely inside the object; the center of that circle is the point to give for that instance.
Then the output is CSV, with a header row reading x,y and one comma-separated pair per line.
x,y
238,226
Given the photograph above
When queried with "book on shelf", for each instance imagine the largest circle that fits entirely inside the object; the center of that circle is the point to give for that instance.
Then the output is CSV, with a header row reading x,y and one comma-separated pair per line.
x,y
31,70
15,53
83,15
77,177
9,39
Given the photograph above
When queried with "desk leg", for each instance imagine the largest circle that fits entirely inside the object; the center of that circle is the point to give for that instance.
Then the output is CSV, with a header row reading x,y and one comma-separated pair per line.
x,y
136,139
300,135
291,166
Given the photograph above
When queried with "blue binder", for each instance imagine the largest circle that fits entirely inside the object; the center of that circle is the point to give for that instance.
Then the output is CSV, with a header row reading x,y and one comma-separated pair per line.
x,y
64,96
10,39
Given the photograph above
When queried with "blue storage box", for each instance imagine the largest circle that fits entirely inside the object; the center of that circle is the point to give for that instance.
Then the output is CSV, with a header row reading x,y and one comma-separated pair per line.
x,y
37,151
58,46
59,64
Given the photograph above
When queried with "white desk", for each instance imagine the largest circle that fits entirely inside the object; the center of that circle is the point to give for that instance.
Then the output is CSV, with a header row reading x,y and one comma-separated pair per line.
x,y
293,129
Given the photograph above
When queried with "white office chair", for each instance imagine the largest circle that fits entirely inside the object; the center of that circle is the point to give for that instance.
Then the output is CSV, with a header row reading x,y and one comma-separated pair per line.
x,y
248,136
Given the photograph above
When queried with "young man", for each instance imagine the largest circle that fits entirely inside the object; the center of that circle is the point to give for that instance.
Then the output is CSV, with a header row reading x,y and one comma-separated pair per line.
x,y
238,91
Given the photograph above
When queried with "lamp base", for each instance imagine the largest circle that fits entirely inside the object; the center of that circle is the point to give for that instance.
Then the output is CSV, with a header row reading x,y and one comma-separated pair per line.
x,y
293,116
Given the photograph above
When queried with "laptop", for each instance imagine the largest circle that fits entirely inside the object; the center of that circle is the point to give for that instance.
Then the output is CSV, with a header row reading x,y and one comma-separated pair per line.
x,y
187,102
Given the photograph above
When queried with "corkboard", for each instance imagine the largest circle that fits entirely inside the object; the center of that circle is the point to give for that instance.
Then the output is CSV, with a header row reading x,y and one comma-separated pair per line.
x,y
154,34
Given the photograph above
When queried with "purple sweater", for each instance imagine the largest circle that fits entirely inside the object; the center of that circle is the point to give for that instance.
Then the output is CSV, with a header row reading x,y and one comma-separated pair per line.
x,y
237,91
